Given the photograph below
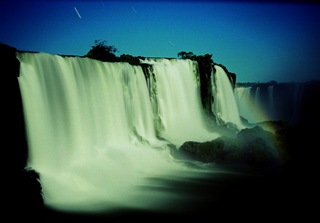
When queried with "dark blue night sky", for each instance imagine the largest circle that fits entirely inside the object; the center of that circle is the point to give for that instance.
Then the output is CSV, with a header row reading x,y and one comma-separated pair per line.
x,y
259,42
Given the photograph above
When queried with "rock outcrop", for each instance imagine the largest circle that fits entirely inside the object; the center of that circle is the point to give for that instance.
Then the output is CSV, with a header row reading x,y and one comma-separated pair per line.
x,y
21,187
255,147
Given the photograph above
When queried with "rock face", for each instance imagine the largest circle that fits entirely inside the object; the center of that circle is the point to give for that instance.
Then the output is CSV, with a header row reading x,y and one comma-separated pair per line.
x,y
253,146
22,189
205,152
258,146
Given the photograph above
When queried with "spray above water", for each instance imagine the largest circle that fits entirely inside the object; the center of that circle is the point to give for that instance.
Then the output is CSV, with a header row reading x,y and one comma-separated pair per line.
x,y
98,131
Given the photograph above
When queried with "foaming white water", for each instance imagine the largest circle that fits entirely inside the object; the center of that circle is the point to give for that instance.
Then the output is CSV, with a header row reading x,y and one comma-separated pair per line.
x,y
224,106
93,131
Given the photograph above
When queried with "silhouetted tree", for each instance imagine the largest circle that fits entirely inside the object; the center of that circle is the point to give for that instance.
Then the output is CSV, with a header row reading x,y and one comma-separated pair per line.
x,y
102,51
186,55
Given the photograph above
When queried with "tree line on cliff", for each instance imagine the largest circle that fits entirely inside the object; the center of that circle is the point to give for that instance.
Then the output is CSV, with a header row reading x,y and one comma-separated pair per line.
x,y
102,51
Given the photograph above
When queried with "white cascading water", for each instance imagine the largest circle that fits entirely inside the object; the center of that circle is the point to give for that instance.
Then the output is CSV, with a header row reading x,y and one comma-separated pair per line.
x,y
250,102
93,133
244,102
224,106
178,101
257,97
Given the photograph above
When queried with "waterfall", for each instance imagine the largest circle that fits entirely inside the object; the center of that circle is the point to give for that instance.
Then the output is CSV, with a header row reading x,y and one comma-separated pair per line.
x,y
250,103
257,97
224,106
98,131
271,102
244,101
178,102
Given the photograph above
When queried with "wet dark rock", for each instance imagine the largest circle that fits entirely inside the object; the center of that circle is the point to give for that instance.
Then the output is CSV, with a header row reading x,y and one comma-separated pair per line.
x,y
22,191
255,147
